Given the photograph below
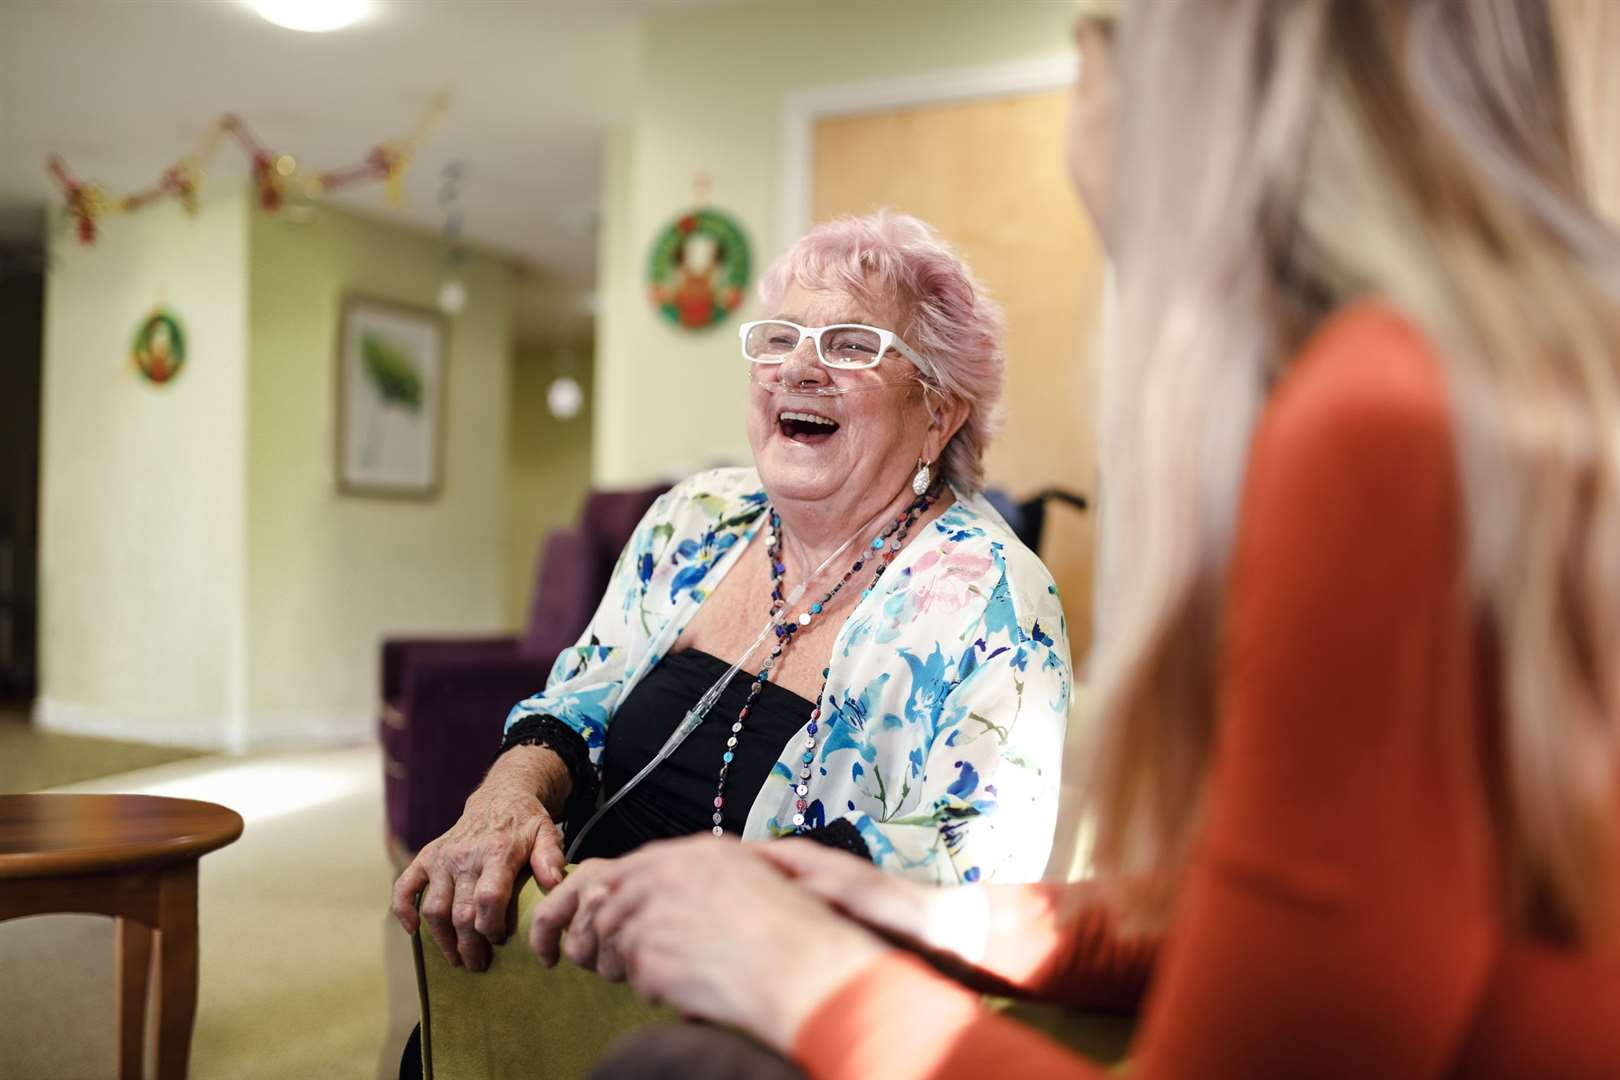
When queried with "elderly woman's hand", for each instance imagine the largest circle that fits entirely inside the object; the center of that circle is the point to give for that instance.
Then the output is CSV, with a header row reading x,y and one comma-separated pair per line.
x,y
707,927
470,873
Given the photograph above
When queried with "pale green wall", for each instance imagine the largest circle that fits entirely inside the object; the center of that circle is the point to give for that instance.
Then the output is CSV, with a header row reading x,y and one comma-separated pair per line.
x,y
550,464
141,512
710,101
202,582
329,575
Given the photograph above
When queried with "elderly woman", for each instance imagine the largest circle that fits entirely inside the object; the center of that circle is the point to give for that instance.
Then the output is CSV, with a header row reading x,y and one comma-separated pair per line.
x,y
904,664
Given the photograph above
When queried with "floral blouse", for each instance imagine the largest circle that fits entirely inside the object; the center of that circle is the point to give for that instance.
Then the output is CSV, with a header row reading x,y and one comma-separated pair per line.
x,y
947,693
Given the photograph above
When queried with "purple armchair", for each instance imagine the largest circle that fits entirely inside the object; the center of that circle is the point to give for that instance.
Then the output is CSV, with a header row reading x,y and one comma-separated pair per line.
x,y
444,701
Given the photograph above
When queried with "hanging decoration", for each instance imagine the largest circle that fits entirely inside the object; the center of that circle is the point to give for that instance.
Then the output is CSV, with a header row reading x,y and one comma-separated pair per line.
x,y
698,270
452,293
159,348
276,175
565,397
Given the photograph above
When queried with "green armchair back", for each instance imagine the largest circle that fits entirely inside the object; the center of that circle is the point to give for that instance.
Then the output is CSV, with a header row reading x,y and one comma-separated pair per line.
x,y
519,1020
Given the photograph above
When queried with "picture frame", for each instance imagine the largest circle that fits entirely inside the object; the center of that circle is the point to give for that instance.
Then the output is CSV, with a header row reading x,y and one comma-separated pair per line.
x,y
391,360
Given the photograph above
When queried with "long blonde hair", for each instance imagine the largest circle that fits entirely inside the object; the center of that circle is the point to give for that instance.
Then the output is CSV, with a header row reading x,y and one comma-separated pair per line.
x,y
1420,151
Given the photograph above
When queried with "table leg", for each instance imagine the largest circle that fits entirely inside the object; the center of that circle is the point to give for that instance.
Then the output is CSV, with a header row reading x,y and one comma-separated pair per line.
x,y
177,968
134,964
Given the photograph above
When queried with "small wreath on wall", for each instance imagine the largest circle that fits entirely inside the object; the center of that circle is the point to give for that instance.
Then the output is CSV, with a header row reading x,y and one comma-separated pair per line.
x,y
698,271
159,348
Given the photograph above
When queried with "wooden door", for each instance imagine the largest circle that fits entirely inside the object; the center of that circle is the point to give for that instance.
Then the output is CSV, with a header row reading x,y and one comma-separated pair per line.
x,y
989,175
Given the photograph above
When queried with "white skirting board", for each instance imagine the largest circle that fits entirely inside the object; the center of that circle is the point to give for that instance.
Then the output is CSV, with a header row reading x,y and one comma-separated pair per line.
x,y
282,729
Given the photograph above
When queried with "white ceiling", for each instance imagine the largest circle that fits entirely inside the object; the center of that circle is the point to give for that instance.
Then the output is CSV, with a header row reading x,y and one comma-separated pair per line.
x,y
123,88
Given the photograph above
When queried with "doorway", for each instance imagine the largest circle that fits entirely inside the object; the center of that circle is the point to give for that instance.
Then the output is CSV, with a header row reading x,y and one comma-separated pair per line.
x,y
988,173
22,311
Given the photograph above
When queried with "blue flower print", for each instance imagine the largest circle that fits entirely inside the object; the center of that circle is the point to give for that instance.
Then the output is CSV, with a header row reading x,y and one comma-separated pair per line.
x,y
877,842
1000,616
585,710
943,709
815,816
686,579
846,728
966,782
928,689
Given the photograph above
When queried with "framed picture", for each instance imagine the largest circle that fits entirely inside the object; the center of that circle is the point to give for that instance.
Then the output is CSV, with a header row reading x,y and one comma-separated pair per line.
x,y
390,435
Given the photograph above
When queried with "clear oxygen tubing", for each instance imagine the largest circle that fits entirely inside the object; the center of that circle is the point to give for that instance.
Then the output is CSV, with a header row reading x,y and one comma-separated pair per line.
x,y
777,388
695,715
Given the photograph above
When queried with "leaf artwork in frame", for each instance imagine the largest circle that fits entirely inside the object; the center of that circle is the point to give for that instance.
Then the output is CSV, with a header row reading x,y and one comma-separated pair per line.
x,y
391,361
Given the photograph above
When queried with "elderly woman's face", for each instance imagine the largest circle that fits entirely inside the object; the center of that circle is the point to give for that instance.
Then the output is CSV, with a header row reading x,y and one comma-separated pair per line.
x,y
862,445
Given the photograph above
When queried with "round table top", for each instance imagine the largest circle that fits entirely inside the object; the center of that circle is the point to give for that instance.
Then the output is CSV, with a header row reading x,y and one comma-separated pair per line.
x,y
64,835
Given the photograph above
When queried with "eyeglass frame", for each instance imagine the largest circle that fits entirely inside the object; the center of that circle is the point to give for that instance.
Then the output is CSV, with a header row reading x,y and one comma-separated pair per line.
x,y
887,339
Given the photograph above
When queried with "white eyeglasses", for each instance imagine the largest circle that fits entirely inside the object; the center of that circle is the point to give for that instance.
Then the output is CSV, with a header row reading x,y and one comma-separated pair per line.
x,y
844,346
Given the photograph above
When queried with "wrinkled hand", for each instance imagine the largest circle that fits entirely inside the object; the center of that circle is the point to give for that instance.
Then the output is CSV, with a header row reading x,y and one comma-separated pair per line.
x,y
905,911
573,906
707,927
470,873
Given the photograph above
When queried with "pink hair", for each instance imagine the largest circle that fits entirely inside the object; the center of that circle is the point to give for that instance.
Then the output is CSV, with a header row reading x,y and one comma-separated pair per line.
x,y
891,260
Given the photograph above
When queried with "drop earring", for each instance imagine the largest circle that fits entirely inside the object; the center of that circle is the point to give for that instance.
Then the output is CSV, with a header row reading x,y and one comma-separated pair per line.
x,y
919,483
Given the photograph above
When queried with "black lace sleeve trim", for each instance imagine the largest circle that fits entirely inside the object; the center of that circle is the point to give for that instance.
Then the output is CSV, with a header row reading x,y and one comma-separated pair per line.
x,y
567,744
842,834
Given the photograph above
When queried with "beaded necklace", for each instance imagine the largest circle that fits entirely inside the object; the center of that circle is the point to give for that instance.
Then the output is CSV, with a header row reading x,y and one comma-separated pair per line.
x,y
889,544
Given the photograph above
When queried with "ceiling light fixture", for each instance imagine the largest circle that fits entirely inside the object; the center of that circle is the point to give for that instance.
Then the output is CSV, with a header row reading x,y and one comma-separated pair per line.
x,y
312,16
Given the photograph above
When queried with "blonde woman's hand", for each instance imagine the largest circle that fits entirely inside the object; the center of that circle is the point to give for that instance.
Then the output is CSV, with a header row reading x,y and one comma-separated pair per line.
x,y
708,928
571,907
908,912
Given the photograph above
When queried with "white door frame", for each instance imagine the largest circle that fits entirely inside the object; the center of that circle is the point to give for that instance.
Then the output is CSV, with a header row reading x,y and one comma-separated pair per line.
x,y
801,109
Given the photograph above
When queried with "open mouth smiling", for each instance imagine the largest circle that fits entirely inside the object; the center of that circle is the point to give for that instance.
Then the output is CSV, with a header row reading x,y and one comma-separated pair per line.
x,y
806,428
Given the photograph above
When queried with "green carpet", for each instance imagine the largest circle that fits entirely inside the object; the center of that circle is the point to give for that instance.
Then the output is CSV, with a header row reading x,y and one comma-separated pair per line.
x,y
31,759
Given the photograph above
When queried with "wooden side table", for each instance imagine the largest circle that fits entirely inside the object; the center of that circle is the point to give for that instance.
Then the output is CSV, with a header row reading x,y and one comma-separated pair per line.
x,y
133,857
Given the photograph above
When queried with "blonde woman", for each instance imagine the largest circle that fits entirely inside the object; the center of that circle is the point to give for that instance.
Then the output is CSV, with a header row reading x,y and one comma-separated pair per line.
x,y
1359,676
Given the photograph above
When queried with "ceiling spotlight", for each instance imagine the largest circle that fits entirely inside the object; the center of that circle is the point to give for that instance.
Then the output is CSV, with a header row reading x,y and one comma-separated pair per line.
x,y
312,16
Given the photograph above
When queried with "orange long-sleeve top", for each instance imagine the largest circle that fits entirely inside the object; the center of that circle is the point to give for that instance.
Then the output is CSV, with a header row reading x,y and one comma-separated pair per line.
x,y
1343,913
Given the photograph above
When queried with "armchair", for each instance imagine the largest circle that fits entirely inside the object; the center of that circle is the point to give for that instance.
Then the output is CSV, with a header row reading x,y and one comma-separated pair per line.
x,y
519,1020
443,701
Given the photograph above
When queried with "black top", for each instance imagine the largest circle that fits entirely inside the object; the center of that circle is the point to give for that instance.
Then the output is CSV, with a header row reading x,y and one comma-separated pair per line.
x,y
677,798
